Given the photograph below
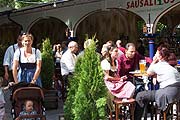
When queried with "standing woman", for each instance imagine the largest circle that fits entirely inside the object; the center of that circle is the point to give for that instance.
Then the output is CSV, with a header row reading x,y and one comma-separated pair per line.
x,y
28,60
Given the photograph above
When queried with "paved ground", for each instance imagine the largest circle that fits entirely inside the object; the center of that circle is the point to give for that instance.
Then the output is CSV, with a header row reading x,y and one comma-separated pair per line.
x,y
50,114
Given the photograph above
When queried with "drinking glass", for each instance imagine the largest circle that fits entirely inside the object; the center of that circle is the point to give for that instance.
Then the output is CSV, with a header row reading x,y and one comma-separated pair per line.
x,y
142,66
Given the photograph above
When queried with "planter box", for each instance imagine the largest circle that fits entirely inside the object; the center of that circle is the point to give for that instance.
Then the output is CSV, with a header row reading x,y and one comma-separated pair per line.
x,y
50,99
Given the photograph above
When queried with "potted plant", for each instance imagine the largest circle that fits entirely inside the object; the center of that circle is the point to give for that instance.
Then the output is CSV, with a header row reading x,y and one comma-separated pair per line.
x,y
86,99
47,72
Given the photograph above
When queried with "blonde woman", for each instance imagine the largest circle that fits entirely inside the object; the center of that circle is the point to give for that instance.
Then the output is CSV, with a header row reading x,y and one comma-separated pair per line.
x,y
28,60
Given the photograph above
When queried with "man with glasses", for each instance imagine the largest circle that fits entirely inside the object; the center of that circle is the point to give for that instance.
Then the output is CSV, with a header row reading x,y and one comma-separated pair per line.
x,y
68,61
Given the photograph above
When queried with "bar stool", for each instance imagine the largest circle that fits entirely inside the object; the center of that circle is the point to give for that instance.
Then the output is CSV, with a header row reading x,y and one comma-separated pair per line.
x,y
124,103
152,109
169,110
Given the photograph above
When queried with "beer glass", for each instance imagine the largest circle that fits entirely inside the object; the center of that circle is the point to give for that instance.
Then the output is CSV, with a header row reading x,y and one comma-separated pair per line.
x,y
142,66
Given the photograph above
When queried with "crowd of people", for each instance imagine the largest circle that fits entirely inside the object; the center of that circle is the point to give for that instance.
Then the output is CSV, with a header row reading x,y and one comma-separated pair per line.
x,y
117,63
22,63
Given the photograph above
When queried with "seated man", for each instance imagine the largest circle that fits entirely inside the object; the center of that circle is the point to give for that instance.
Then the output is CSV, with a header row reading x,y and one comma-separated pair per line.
x,y
130,62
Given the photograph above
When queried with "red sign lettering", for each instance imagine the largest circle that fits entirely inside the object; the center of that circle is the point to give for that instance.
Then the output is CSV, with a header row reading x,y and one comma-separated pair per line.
x,y
146,3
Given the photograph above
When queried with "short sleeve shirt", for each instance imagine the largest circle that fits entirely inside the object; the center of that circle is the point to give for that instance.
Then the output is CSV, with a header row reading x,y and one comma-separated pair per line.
x,y
105,65
9,54
166,74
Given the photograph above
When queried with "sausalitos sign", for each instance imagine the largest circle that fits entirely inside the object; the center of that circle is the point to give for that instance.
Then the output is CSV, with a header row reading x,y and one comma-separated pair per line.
x,y
149,10
146,3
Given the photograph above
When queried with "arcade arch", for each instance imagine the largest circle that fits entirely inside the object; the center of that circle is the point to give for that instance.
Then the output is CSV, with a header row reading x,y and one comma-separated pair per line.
x,y
9,33
73,11
170,17
169,34
111,24
49,27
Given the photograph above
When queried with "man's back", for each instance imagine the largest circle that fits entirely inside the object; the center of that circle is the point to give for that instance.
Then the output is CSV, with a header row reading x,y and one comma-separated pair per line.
x,y
8,57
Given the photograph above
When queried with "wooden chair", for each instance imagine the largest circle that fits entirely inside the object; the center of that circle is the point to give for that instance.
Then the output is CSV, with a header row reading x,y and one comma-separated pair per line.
x,y
119,103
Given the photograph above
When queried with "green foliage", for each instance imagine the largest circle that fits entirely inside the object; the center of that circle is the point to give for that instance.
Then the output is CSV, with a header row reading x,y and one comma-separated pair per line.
x,y
7,3
69,104
21,3
140,25
160,27
86,98
47,64
163,30
24,3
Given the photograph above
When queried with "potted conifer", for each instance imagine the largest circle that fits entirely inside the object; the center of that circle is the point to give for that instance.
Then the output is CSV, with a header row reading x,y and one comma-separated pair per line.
x,y
47,72
86,99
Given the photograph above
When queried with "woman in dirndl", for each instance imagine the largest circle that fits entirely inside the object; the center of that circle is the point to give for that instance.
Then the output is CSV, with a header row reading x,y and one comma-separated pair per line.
x,y
117,86
27,62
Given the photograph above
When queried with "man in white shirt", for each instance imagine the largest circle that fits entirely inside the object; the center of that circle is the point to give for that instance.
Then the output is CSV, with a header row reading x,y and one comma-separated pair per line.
x,y
8,59
68,61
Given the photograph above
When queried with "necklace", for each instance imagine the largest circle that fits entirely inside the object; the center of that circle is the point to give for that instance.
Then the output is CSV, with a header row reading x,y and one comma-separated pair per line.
x,y
27,59
27,55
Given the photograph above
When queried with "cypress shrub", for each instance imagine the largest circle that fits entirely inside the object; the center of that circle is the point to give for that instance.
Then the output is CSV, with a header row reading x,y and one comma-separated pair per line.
x,y
87,94
47,69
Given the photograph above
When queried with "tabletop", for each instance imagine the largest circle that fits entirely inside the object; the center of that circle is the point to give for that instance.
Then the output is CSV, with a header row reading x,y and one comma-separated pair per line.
x,y
137,73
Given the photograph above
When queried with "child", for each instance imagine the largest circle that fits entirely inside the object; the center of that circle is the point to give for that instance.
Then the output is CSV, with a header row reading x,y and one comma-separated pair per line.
x,y
28,110
2,101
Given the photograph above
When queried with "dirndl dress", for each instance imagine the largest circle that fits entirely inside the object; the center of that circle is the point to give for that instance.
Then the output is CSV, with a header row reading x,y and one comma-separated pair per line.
x,y
120,89
26,73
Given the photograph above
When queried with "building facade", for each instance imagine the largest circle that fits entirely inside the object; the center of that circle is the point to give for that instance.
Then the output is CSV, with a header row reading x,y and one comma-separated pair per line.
x,y
108,19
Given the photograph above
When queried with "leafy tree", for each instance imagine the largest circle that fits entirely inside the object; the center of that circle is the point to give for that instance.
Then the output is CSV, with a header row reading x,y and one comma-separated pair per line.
x,y
86,98
21,3
7,3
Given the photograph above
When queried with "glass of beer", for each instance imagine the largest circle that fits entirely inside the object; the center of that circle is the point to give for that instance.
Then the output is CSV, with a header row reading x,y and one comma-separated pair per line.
x,y
142,66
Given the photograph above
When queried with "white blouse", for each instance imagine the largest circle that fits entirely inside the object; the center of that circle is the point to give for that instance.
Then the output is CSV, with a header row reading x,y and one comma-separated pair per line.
x,y
36,55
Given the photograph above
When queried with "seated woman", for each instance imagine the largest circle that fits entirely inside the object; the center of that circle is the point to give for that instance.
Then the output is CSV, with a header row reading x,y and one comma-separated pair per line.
x,y
117,86
169,83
